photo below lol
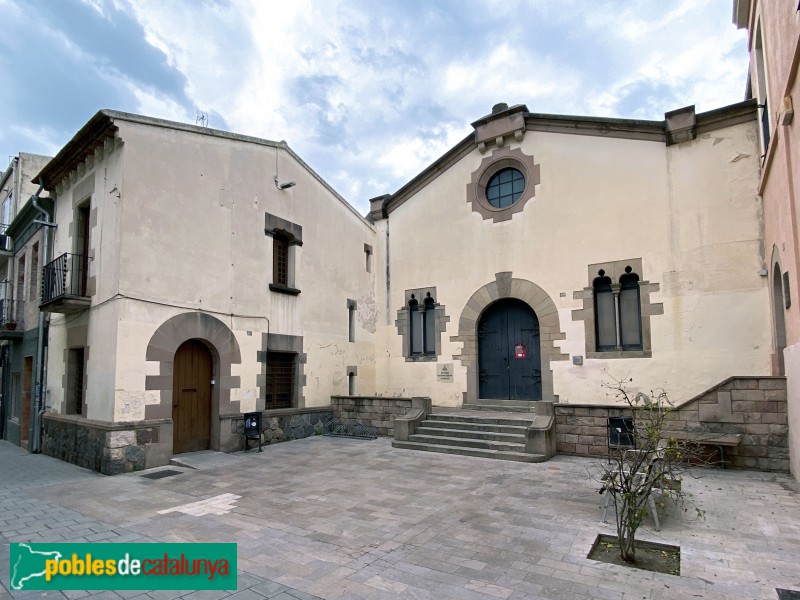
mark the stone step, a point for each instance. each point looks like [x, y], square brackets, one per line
[478, 452]
[521, 406]
[477, 434]
[468, 443]
[488, 419]
[467, 426]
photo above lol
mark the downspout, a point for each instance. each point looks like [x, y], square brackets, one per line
[37, 401]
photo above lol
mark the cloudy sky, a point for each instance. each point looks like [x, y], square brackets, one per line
[368, 92]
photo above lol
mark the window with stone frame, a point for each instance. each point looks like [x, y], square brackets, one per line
[280, 260]
[617, 314]
[420, 323]
[287, 237]
[616, 311]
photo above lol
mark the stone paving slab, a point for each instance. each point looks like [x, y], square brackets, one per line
[341, 518]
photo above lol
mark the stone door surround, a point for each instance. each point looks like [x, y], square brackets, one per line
[506, 286]
[225, 350]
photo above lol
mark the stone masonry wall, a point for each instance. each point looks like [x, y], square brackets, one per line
[378, 411]
[295, 424]
[111, 450]
[755, 407]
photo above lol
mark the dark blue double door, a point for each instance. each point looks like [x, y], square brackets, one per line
[509, 358]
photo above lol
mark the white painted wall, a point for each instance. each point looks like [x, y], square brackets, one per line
[184, 231]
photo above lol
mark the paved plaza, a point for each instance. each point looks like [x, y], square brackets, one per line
[343, 518]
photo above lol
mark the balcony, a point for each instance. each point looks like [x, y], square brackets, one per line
[64, 285]
[6, 247]
[12, 319]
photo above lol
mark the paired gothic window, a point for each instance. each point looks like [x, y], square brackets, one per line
[421, 322]
[422, 326]
[618, 314]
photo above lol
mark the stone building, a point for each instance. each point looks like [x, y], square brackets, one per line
[196, 275]
[22, 250]
[576, 248]
[774, 43]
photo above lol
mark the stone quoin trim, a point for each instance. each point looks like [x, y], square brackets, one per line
[224, 349]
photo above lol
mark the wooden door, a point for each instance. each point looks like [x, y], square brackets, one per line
[509, 359]
[191, 397]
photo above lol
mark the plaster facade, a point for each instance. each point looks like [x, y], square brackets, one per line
[179, 249]
[678, 205]
[22, 251]
[774, 43]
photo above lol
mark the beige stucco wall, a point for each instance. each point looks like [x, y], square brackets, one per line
[183, 231]
[689, 211]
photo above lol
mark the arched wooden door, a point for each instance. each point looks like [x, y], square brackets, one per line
[509, 358]
[191, 397]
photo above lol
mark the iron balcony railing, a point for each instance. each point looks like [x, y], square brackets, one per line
[65, 276]
[12, 314]
[5, 241]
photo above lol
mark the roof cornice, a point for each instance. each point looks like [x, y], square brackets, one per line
[668, 131]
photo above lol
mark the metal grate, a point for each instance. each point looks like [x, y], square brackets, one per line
[363, 431]
[280, 379]
[161, 474]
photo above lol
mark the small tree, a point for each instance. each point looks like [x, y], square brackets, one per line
[631, 476]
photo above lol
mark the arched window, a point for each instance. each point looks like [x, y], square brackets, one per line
[414, 326]
[604, 312]
[617, 312]
[630, 312]
[429, 327]
[422, 326]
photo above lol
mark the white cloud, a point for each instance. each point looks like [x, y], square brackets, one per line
[370, 94]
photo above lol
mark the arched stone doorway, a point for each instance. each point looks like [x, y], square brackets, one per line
[509, 358]
[506, 286]
[219, 341]
[191, 397]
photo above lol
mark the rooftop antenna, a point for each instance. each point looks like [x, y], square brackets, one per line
[202, 119]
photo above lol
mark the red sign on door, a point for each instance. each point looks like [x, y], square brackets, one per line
[520, 351]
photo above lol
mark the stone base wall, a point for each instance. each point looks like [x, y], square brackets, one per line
[378, 411]
[755, 407]
[276, 426]
[110, 448]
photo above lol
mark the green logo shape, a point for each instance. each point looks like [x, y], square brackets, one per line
[123, 566]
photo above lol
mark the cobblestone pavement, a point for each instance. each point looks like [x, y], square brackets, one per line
[341, 518]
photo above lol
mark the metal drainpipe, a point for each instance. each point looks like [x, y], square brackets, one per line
[37, 401]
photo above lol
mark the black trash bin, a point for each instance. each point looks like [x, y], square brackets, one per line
[252, 428]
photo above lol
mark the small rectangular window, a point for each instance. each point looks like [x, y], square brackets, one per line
[352, 305]
[280, 379]
[76, 369]
[368, 254]
[35, 277]
[20, 279]
[280, 261]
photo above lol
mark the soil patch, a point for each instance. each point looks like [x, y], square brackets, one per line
[650, 556]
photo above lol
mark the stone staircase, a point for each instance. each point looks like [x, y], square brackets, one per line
[487, 435]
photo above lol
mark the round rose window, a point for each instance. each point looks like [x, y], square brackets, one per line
[505, 187]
